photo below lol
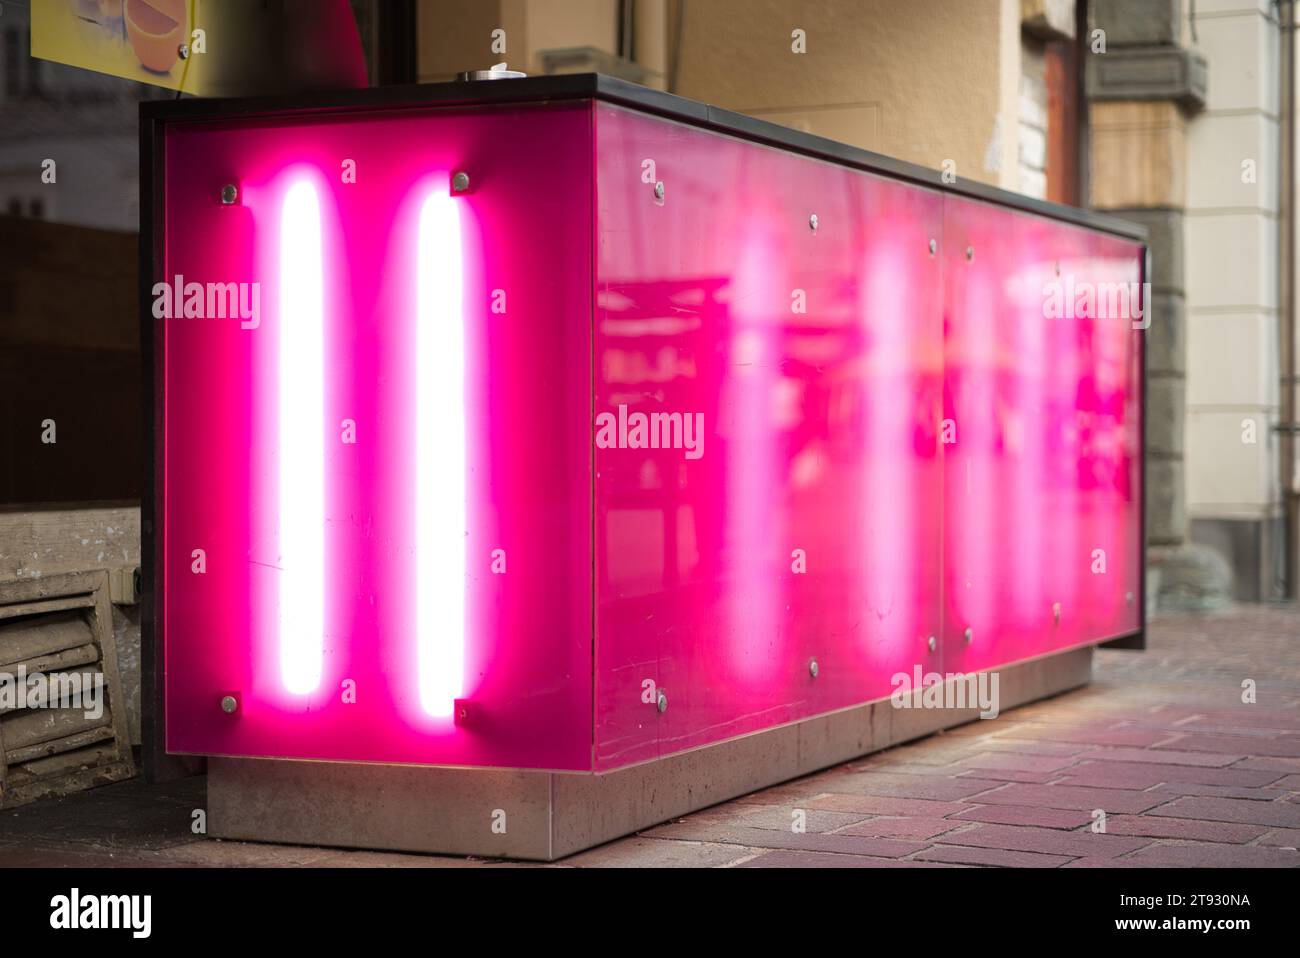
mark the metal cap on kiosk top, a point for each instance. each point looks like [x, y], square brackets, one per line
[497, 71]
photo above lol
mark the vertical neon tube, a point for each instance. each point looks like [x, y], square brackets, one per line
[440, 456]
[302, 444]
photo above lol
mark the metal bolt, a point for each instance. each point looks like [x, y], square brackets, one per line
[933, 246]
[1128, 597]
[968, 634]
[659, 190]
[183, 51]
[229, 193]
[813, 668]
[812, 222]
[932, 642]
[229, 704]
[1056, 612]
[661, 703]
[970, 252]
[460, 182]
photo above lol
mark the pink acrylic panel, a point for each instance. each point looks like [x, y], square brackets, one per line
[1042, 389]
[525, 230]
[897, 440]
[815, 360]
[826, 364]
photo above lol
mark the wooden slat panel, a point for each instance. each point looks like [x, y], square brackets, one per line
[59, 745]
[25, 727]
[27, 639]
[67, 659]
[48, 605]
[55, 751]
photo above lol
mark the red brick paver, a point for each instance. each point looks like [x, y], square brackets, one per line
[1160, 743]
[1157, 763]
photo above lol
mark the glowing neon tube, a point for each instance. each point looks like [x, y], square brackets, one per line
[302, 445]
[440, 456]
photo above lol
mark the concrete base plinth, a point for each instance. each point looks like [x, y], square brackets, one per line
[540, 815]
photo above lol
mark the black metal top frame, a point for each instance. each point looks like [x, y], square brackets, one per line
[598, 87]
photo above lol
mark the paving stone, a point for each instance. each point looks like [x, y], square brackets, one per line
[1161, 757]
[1222, 791]
[814, 820]
[909, 768]
[933, 788]
[128, 814]
[1286, 746]
[917, 829]
[997, 857]
[643, 852]
[790, 858]
[1273, 763]
[1024, 815]
[772, 838]
[1020, 747]
[1047, 841]
[254, 855]
[1282, 837]
[1143, 775]
[1018, 761]
[1013, 775]
[1073, 796]
[1208, 855]
[1154, 826]
[1103, 863]
[880, 805]
[1244, 717]
[1282, 814]
[800, 791]
[1125, 735]
[344, 858]
[78, 855]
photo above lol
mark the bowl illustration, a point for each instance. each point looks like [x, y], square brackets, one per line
[156, 29]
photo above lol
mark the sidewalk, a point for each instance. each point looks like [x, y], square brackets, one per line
[1186, 774]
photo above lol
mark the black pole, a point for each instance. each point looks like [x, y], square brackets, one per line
[396, 56]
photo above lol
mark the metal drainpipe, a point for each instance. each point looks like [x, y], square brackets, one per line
[1286, 295]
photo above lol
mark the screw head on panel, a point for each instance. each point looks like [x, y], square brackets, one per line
[183, 51]
[1056, 612]
[229, 704]
[1128, 597]
[229, 193]
[459, 181]
[932, 642]
[659, 190]
[812, 222]
[934, 245]
[968, 634]
[813, 668]
[970, 252]
[661, 703]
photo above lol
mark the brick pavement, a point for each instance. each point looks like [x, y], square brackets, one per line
[1186, 774]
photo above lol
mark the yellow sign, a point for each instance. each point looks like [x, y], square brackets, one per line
[195, 46]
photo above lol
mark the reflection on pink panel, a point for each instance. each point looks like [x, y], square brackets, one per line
[1042, 383]
[526, 460]
[884, 427]
[815, 360]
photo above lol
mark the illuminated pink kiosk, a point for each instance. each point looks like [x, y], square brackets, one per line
[537, 460]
